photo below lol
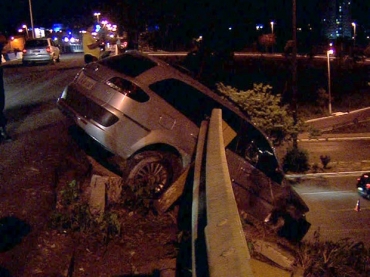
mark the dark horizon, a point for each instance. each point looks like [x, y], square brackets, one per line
[13, 14]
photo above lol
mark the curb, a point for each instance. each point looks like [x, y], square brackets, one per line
[328, 174]
[335, 138]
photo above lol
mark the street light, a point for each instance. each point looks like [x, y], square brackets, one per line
[354, 33]
[31, 17]
[328, 53]
[272, 35]
[97, 16]
[26, 28]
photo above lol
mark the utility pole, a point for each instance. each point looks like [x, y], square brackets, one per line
[294, 74]
[31, 17]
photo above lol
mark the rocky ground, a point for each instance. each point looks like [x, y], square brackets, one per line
[35, 167]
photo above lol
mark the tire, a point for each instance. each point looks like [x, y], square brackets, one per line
[152, 171]
[58, 59]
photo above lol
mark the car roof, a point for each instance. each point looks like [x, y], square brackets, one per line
[164, 70]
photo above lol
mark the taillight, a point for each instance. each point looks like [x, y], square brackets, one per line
[358, 179]
[367, 186]
[24, 50]
[48, 49]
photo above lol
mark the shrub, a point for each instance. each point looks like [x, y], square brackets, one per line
[344, 258]
[265, 110]
[296, 160]
[315, 167]
[138, 197]
[74, 214]
[314, 133]
[325, 160]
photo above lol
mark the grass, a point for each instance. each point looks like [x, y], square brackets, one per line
[361, 127]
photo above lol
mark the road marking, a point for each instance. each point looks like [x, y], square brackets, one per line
[346, 210]
[327, 192]
[328, 174]
[322, 230]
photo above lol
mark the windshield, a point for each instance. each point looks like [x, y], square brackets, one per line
[129, 64]
[36, 43]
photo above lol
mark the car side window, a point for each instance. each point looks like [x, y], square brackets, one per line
[192, 103]
[128, 88]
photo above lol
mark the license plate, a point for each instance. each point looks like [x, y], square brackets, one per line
[86, 82]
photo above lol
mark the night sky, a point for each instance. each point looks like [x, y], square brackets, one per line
[14, 13]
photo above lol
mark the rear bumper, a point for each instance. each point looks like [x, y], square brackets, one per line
[37, 58]
[93, 130]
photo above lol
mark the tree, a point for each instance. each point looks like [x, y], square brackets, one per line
[267, 41]
[265, 110]
[367, 51]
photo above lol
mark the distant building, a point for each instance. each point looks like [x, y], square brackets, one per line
[336, 21]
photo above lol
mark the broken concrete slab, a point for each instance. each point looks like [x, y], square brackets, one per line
[172, 194]
[274, 253]
[104, 190]
[97, 197]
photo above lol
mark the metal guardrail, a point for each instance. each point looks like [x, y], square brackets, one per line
[226, 247]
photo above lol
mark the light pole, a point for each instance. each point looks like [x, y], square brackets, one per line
[31, 17]
[328, 53]
[294, 73]
[97, 16]
[272, 35]
[272, 27]
[354, 33]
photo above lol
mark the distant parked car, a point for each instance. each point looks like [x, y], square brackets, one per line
[363, 185]
[40, 50]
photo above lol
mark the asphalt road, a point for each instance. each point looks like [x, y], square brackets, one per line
[332, 202]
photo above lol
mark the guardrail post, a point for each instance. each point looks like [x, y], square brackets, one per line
[198, 204]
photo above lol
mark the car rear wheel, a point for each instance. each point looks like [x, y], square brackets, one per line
[152, 171]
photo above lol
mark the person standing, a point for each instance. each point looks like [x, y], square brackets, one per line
[91, 46]
[3, 121]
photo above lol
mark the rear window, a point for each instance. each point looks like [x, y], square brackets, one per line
[36, 43]
[128, 64]
[127, 88]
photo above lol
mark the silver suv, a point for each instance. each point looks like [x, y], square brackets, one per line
[149, 113]
[40, 50]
